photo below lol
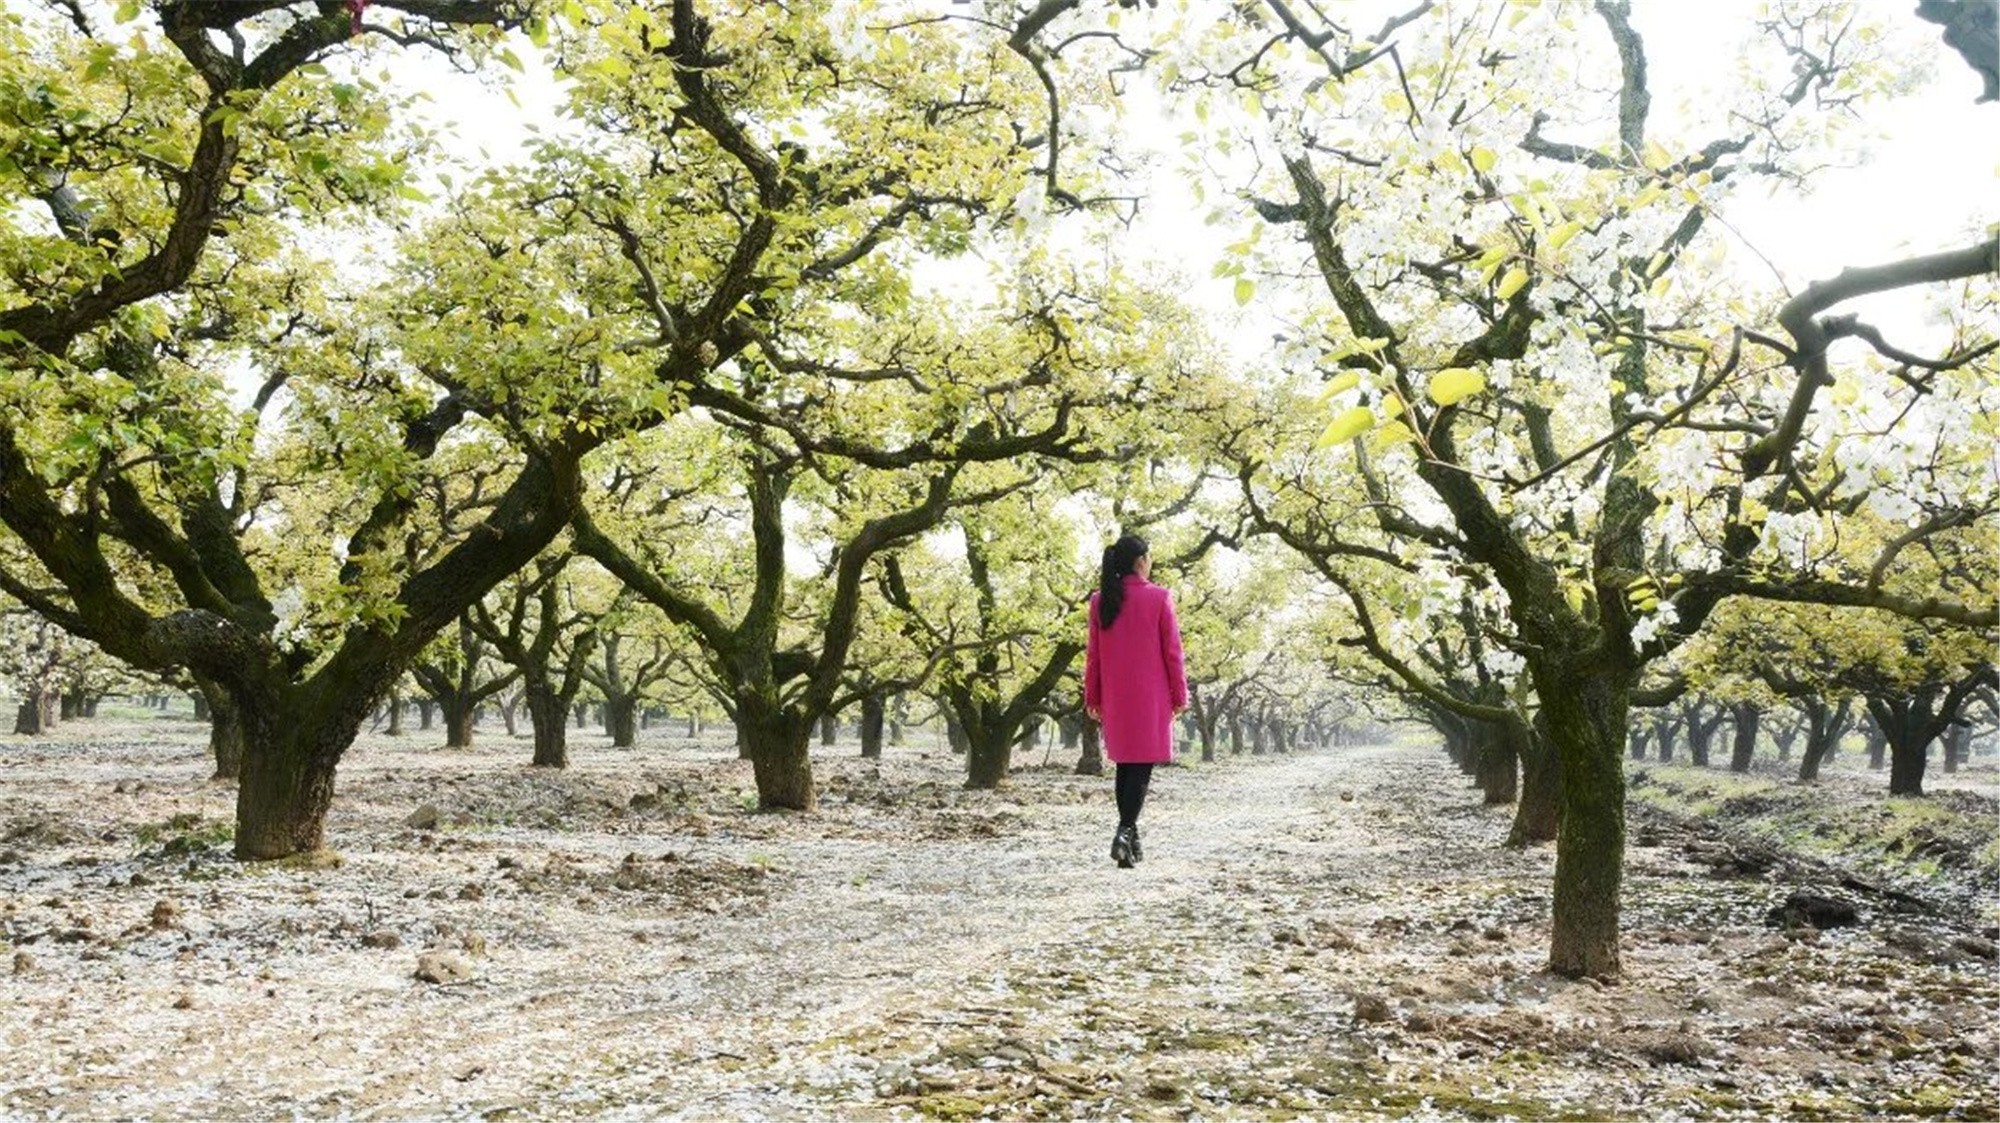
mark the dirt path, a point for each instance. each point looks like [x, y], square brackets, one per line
[1330, 932]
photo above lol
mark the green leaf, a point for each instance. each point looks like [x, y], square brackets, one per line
[1347, 426]
[1454, 384]
[1483, 159]
[1511, 283]
[1391, 434]
[1245, 289]
[1339, 383]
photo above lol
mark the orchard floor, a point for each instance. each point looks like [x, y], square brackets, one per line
[1330, 934]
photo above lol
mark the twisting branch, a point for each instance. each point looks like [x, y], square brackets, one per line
[1811, 335]
[1822, 592]
[1022, 43]
[1936, 524]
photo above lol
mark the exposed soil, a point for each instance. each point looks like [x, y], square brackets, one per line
[1335, 933]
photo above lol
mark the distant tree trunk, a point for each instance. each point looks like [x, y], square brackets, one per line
[510, 711]
[458, 717]
[1744, 748]
[1206, 728]
[829, 730]
[1636, 741]
[425, 708]
[621, 716]
[874, 715]
[1701, 736]
[37, 713]
[989, 753]
[1071, 729]
[1538, 812]
[396, 714]
[1786, 736]
[1957, 746]
[1878, 747]
[1663, 738]
[954, 734]
[582, 710]
[899, 717]
[200, 707]
[1907, 761]
[1235, 735]
[1907, 724]
[774, 737]
[1824, 726]
[546, 716]
[1498, 762]
[1091, 761]
[225, 731]
[693, 726]
[70, 706]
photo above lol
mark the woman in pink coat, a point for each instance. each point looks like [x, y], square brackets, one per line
[1133, 683]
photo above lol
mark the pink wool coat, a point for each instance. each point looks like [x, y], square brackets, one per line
[1132, 674]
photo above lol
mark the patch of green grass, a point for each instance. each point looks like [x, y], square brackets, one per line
[951, 1106]
[186, 833]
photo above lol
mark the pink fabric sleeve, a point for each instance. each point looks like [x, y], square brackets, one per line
[1170, 649]
[1093, 664]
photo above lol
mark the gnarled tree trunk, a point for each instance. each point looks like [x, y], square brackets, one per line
[1090, 762]
[621, 720]
[548, 715]
[1584, 710]
[774, 739]
[1743, 749]
[1498, 762]
[1538, 813]
[225, 730]
[874, 716]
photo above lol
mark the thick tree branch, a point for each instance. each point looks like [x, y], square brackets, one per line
[1810, 334]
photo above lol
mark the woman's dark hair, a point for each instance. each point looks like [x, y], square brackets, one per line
[1119, 558]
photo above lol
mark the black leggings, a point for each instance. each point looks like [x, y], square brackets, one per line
[1131, 787]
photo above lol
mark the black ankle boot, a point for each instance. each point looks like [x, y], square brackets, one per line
[1121, 848]
[1138, 852]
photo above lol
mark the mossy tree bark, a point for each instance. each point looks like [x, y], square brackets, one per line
[1499, 763]
[874, 717]
[1825, 724]
[225, 730]
[775, 736]
[1090, 762]
[1743, 745]
[1538, 813]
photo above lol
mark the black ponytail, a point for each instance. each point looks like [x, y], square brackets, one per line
[1119, 558]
